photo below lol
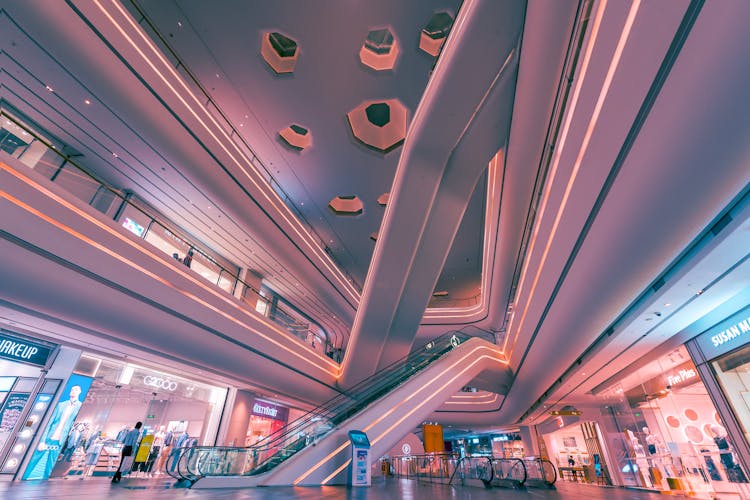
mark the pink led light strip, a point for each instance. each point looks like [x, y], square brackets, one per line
[332, 368]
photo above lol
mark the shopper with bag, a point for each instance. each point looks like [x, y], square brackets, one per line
[130, 443]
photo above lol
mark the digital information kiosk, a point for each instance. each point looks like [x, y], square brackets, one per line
[360, 468]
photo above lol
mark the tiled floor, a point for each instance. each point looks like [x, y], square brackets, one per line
[95, 488]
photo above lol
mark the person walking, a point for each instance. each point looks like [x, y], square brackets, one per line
[129, 445]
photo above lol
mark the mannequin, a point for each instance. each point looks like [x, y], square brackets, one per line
[178, 442]
[160, 440]
[635, 444]
[653, 442]
[725, 455]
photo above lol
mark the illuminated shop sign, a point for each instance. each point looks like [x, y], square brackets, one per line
[681, 375]
[660, 386]
[269, 410]
[728, 335]
[25, 351]
[160, 383]
[731, 333]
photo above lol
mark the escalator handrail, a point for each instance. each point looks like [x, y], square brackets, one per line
[463, 459]
[358, 397]
[541, 462]
[517, 460]
[355, 391]
[324, 411]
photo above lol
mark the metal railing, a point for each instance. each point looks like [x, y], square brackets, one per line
[487, 471]
[449, 468]
[540, 472]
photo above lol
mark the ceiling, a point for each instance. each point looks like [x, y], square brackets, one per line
[219, 43]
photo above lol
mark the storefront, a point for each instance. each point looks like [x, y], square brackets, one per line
[722, 358]
[664, 432]
[508, 445]
[566, 447]
[32, 372]
[574, 445]
[265, 419]
[114, 395]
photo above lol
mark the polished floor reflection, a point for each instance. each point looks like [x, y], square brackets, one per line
[94, 488]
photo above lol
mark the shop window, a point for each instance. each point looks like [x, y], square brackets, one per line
[174, 410]
[664, 431]
[166, 241]
[733, 373]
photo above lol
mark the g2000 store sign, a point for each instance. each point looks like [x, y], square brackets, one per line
[160, 383]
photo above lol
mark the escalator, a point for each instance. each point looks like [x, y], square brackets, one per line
[313, 449]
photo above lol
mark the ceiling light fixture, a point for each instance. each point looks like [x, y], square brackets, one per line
[87, 101]
[49, 89]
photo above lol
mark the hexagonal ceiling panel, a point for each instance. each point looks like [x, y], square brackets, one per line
[279, 51]
[296, 136]
[346, 205]
[380, 125]
[213, 41]
[435, 32]
[380, 50]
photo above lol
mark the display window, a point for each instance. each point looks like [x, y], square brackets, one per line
[25, 396]
[508, 446]
[665, 434]
[567, 448]
[266, 417]
[733, 374]
[175, 412]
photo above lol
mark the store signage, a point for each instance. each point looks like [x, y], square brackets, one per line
[568, 413]
[23, 350]
[681, 375]
[660, 386]
[731, 333]
[269, 410]
[726, 336]
[160, 383]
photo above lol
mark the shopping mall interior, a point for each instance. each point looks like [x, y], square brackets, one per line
[456, 245]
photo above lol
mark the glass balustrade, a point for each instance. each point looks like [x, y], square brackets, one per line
[39, 153]
[316, 424]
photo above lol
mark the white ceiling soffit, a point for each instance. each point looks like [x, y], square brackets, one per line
[709, 282]
[633, 189]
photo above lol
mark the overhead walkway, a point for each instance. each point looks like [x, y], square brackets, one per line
[314, 450]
